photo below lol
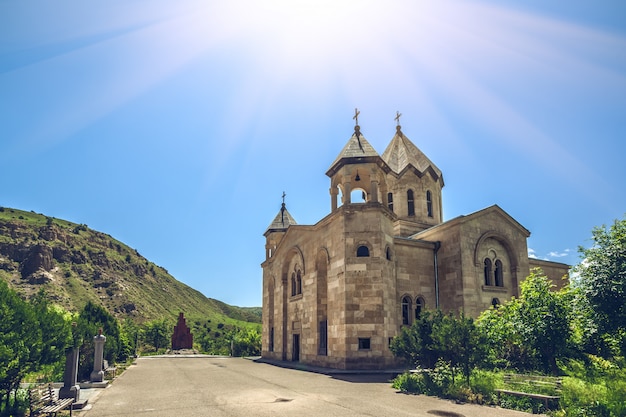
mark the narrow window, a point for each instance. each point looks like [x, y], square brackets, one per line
[293, 284]
[406, 307]
[487, 271]
[419, 306]
[388, 253]
[410, 202]
[362, 251]
[498, 274]
[364, 343]
[271, 347]
[390, 201]
[429, 203]
[299, 283]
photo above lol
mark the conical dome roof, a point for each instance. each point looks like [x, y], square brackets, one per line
[355, 150]
[282, 221]
[402, 153]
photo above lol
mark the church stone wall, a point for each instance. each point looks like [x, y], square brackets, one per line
[557, 272]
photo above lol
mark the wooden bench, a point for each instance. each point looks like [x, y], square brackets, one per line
[532, 383]
[43, 400]
[109, 370]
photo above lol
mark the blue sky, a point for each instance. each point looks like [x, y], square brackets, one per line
[176, 126]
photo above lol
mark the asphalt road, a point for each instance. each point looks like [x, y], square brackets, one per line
[233, 387]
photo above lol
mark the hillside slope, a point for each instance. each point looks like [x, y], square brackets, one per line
[75, 264]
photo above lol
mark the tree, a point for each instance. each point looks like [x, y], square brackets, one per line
[157, 333]
[20, 341]
[415, 344]
[55, 329]
[533, 331]
[602, 276]
[246, 342]
[459, 343]
[92, 318]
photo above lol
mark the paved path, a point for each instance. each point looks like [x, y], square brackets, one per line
[233, 387]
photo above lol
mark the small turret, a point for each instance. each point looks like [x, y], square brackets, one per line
[277, 229]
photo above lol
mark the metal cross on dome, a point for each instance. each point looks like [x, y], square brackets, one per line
[356, 116]
[397, 118]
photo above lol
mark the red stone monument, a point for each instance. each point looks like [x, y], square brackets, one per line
[182, 337]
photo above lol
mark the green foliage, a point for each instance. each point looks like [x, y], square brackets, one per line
[435, 336]
[32, 336]
[91, 319]
[415, 344]
[459, 342]
[156, 333]
[532, 332]
[440, 382]
[247, 342]
[20, 340]
[409, 383]
[602, 282]
[594, 387]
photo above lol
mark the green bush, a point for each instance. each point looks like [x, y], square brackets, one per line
[409, 383]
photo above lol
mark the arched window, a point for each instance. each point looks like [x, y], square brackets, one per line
[390, 201]
[495, 303]
[498, 274]
[410, 202]
[362, 251]
[358, 196]
[298, 283]
[293, 284]
[406, 307]
[419, 307]
[388, 253]
[487, 271]
[429, 203]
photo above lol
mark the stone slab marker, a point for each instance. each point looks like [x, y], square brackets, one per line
[70, 388]
[97, 375]
[182, 337]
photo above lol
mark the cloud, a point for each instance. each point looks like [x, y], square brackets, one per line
[531, 253]
[562, 254]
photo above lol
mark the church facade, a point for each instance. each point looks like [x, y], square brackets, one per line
[335, 293]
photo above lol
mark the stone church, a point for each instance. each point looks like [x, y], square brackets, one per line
[336, 292]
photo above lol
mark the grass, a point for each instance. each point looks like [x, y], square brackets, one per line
[586, 391]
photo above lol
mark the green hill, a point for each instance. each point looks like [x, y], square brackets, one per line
[76, 264]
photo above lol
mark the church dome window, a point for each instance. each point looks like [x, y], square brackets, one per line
[410, 202]
[362, 251]
[390, 201]
[429, 203]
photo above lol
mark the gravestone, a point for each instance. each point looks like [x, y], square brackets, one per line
[97, 375]
[70, 388]
[182, 337]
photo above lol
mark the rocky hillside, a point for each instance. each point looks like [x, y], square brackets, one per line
[76, 264]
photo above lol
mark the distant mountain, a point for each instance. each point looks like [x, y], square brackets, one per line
[75, 264]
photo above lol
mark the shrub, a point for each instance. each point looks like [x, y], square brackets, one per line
[409, 383]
